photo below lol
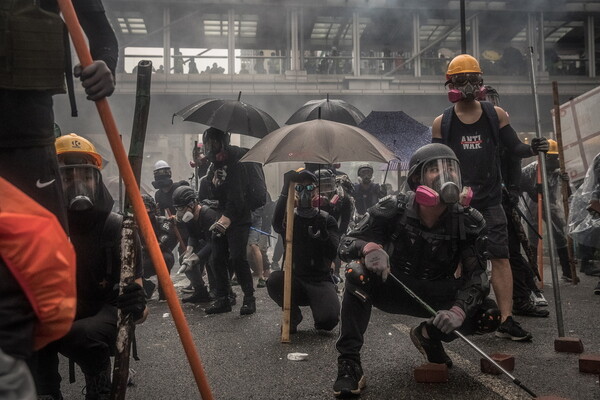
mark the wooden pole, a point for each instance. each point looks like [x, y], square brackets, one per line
[287, 266]
[142, 218]
[564, 185]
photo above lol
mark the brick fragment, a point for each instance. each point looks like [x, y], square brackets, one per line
[568, 345]
[551, 398]
[589, 363]
[431, 373]
[506, 361]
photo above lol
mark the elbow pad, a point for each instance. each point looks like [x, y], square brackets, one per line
[471, 296]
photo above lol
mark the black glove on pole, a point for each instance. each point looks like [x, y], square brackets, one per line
[132, 301]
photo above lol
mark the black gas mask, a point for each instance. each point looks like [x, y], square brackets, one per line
[552, 162]
[81, 185]
[365, 175]
[215, 142]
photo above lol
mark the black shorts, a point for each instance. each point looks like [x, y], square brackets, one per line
[496, 231]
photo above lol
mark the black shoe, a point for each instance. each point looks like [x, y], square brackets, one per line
[188, 289]
[220, 306]
[149, 287]
[529, 309]
[248, 306]
[350, 380]
[432, 349]
[597, 289]
[593, 270]
[97, 387]
[50, 396]
[200, 296]
[511, 329]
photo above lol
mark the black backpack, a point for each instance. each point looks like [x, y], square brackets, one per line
[256, 188]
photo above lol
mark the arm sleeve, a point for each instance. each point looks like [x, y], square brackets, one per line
[102, 39]
[345, 215]
[511, 141]
[235, 204]
[437, 140]
[333, 240]
[529, 181]
[476, 284]
[278, 215]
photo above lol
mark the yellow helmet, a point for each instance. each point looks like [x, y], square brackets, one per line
[73, 143]
[463, 63]
[553, 147]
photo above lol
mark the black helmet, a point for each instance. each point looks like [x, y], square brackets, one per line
[326, 180]
[149, 202]
[218, 135]
[423, 155]
[183, 195]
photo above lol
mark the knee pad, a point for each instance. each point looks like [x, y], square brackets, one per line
[487, 319]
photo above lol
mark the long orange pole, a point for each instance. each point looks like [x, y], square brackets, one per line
[135, 197]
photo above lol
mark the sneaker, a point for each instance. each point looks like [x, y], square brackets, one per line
[529, 309]
[149, 287]
[220, 306]
[511, 329]
[538, 299]
[248, 306]
[261, 283]
[234, 282]
[200, 296]
[350, 380]
[50, 397]
[188, 289]
[432, 349]
[597, 289]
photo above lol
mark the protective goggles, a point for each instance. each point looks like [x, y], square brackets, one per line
[308, 187]
[463, 79]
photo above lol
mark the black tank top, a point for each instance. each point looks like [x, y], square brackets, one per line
[477, 152]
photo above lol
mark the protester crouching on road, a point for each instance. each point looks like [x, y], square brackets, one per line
[314, 247]
[421, 237]
[474, 130]
[96, 235]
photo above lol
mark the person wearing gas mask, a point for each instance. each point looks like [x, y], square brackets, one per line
[366, 192]
[474, 130]
[531, 189]
[198, 219]
[164, 229]
[314, 247]
[96, 236]
[421, 236]
[226, 181]
[165, 186]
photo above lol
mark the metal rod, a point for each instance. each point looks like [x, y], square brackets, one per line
[460, 335]
[547, 210]
[463, 28]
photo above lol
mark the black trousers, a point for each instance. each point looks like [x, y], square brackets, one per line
[149, 270]
[89, 344]
[320, 296]
[231, 248]
[389, 296]
[523, 275]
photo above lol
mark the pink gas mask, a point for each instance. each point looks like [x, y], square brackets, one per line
[441, 184]
[466, 87]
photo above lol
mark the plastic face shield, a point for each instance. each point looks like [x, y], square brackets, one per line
[81, 185]
[443, 176]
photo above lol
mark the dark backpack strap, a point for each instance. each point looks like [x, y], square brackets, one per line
[446, 123]
[492, 116]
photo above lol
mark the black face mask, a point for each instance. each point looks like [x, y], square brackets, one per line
[552, 163]
[162, 183]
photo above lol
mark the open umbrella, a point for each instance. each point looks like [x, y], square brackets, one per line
[398, 131]
[319, 141]
[233, 116]
[332, 110]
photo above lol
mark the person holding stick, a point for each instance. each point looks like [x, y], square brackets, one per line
[421, 236]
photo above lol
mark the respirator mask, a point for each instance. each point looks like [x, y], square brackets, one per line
[466, 87]
[304, 200]
[440, 183]
[365, 176]
[183, 213]
[81, 183]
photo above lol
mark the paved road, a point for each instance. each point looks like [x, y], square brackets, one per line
[244, 359]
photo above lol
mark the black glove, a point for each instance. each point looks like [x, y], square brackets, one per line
[217, 229]
[564, 176]
[539, 144]
[132, 301]
[288, 177]
[97, 79]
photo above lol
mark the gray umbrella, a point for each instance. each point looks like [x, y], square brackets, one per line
[319, 141]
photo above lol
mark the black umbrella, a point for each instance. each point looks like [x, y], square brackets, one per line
[233, 116]
[332, 110]
[319, 141]
[398, 131]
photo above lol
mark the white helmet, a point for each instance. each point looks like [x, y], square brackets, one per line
[161, 164]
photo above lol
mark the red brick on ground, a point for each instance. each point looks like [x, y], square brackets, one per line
[589, 363]
[568, 345]
[506, 361]
[431, 373]
[551, 398]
